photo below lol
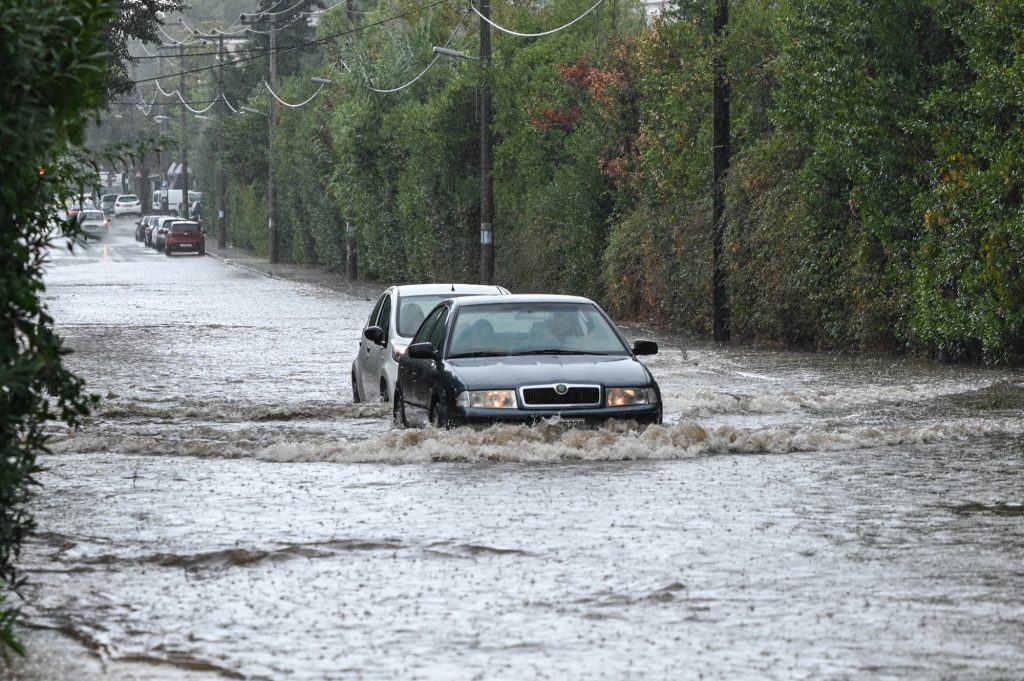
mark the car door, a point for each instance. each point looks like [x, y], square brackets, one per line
[423, 372]
[366, 349]
[376, 352]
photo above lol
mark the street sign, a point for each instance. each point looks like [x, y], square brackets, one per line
[163, 184]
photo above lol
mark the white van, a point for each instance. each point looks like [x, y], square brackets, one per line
[174, 206]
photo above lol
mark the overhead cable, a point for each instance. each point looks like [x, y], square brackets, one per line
[233, 109]
[175, 40]
[424, 71]
[292, 106]
[319, 41]
[536, 35]
[217, 33]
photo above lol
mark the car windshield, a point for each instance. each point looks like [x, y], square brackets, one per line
[533, 329]
[412, 310]
[92, 215]
[184, 228]
[128, 199]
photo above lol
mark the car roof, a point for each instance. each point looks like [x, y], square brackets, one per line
[438, 289]
[524, 298]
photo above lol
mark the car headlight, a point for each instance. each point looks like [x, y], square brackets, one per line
[487, 399]
[625, 397]
[398, 350]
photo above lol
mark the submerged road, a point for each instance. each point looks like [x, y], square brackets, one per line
[229, 513]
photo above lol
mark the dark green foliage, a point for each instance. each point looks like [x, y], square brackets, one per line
[874, 199]
[132, 20]
[54, 56]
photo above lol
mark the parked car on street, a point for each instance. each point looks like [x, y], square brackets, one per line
[140, 228]
[520, 359]
[151, 223]
[93, 224]
[391, 325]
[127, 204]
[159, 234]
[185, 236]
[107, 202]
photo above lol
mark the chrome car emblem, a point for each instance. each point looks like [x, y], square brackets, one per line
[561, 389]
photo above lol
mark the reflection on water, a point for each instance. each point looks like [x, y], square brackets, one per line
[229, 511]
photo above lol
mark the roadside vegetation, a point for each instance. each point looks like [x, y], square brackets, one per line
[58, 72]
[873, 199]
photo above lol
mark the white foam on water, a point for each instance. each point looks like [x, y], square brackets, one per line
[543, 443]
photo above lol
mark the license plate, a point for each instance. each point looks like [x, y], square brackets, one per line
[571, 423]
[186, 245]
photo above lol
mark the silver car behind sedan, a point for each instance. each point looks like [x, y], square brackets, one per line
[395, 318]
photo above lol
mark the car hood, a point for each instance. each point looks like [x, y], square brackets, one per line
[512, 372]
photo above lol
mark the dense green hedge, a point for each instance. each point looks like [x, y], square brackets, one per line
[873, 202]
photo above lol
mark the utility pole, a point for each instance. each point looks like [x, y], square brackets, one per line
[273, 242]
[160, 148]
[271, 201]
[486, 152]
[719, 296]
[222, 238]
[184, 133]
[351, 254]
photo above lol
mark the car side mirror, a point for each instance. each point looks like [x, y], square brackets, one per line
[374, 334]
[644, 347]
[423, 350]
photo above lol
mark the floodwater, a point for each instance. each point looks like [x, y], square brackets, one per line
[229, 513]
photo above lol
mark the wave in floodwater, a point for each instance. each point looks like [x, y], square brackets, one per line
[542, 443]
[707, 402]
[234, 412]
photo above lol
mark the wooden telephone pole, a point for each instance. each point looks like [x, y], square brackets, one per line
[719, 296]
[273, 238]
[486, 151]
[184, 213]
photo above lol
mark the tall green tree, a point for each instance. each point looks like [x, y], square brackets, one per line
[55, 57]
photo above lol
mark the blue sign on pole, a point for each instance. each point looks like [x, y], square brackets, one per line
[163, 184]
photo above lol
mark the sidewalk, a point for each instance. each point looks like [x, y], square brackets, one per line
[306, 274]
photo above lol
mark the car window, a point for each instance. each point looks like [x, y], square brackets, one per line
[92, 215]
[372, 321]
[184, 227]
[128, 198]
[437, 331]
[534, 328]
[424, 331]
[412, 310]
[384, 320]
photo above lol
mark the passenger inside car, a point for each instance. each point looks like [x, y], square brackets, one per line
[413, 317]
[560, 330]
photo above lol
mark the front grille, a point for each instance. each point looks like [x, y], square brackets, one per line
[575, 395]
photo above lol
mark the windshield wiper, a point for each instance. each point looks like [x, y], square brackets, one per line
[554, 351]
[481, 353]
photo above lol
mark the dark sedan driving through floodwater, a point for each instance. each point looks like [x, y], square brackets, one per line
[523, 358]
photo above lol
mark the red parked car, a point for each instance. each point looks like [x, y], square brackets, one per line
[185, 236]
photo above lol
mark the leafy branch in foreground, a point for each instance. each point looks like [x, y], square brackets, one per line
[52, 85]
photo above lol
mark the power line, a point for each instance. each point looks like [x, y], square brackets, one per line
[424, 71]
[292, 106]
[535, 35]
[319, 41]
